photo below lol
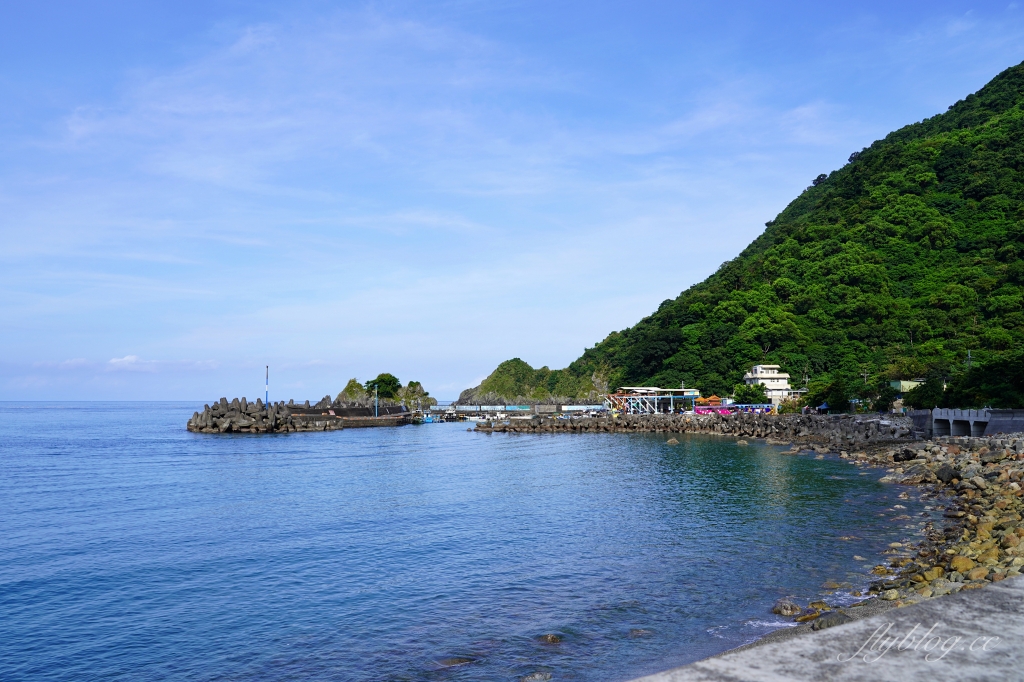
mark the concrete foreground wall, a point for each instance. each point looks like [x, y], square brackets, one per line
[971, 635]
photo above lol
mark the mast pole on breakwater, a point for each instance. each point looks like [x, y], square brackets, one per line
[375, 401]
[266, 397]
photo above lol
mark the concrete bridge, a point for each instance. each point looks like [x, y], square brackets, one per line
[953, 422]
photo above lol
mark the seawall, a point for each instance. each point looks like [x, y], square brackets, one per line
[839, 431]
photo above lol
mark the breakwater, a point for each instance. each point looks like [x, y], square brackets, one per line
[840, 431]
[241, 416]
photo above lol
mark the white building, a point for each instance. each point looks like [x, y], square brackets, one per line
[776, 383]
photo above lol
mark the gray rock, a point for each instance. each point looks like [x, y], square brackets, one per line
[993, 456]
[830, 620]
[946, 473]
[786, 607]
[905, 455]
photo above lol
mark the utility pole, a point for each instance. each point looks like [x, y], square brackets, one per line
[968, 359]
[865, 375]
[375, 408]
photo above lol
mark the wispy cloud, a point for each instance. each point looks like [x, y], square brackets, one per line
[376, 190]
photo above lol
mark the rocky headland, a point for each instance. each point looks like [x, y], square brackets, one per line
[514, 382]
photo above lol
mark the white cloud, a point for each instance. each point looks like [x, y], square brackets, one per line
[133, 363]
[130, 362]
[378, 194]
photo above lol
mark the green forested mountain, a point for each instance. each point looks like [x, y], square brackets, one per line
[516, 381]
[894, 266]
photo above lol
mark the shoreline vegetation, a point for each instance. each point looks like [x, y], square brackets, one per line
[977, 479]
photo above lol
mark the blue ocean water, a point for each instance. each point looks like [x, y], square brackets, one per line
[132, 549]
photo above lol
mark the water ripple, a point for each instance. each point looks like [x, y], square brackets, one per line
[134, 550]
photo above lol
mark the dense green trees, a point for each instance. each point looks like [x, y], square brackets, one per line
[750, 394]
[895, 265]
[388, 388]
[386, 385]
[996, 383]
[516, 380]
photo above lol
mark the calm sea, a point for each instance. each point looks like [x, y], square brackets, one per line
[131, 549]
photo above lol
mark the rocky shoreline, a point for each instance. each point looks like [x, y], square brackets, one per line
[979, 543]
[978, 478]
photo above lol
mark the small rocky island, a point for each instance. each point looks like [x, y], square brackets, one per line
[382, 401]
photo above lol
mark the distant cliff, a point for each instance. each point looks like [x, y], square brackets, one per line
[515, 382]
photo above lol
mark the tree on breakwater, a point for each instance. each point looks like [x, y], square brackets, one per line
[389, 389]
[385, 385]
[896, 265]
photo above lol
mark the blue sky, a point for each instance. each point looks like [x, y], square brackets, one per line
[192, 190]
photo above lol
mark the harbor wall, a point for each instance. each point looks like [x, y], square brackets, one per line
[839, 431]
